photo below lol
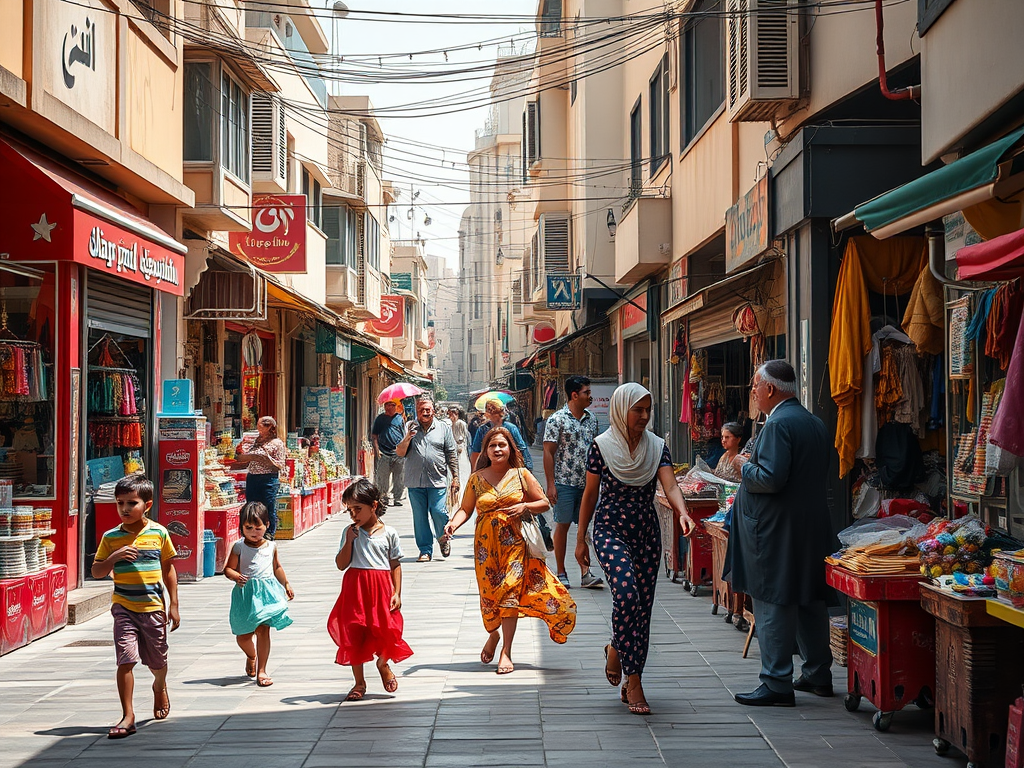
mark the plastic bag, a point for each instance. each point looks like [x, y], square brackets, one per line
[889, 530]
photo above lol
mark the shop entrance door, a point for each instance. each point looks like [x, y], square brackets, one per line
[118, 388]
[266, 400]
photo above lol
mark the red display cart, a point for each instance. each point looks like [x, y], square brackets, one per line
[32, 606]
[223, 521]
[700, 550]
[891, 646]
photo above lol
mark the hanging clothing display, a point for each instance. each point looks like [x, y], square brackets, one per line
[1001, 330]
[1008, 423]
[113, 393]
[890, 267]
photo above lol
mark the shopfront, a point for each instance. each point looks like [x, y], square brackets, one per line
[82, 281]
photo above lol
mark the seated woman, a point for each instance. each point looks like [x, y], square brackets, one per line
[732, 440]
[512, 583]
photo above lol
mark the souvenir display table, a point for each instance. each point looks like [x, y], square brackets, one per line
[979, 676]
[891, 647]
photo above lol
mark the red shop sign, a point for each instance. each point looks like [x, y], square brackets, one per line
[392, 318]
[277, 242]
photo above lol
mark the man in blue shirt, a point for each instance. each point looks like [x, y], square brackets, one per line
[387, 432]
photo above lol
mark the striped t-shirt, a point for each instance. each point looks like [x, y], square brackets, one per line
[137, 583]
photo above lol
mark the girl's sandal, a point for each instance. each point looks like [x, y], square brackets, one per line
[640, 708]
[264, 681]
[250, 666]
[388, 678]
[487, 654]
[357, 693]
[613, 677]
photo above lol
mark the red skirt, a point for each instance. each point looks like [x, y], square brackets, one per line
[361, 624]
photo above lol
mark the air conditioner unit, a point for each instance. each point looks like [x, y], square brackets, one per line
[763, 57]
[269, 141]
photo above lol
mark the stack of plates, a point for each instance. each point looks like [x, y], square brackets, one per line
[6, 517]
[12, 560]
[34, 559]
[21, 521]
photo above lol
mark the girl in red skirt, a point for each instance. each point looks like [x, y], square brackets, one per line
[366, 620]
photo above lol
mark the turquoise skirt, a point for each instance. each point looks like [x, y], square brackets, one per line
[260, 601]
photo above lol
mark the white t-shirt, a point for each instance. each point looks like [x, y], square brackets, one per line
[374, 552]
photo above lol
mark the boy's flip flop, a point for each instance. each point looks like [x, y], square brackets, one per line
[120, 732]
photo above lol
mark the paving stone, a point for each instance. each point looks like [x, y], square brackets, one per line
[557, 709]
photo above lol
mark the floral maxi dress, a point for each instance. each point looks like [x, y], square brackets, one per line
[511, 582]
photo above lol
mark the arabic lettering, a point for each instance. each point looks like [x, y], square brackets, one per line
[279, 216]
[81, 53]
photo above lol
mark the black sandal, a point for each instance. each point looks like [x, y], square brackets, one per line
[613, 677]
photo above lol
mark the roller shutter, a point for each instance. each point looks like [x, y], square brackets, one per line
[713, 326]
[118, 306]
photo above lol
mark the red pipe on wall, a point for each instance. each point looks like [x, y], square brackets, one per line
[900, 94]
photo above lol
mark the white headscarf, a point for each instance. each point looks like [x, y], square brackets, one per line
[640, 466]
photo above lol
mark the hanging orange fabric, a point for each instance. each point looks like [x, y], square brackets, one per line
[885, 266]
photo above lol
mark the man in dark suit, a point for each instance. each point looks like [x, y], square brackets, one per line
[780, 535]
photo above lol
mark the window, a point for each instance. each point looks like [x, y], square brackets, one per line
[314, 198]
[531, 137]
[372, 229]
[341, 225]
[199, 110]
[551, 18]
[636, 151]
[234, 127]
[702, 71]
[658, 105]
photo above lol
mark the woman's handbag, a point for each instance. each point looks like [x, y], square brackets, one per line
[530, 530]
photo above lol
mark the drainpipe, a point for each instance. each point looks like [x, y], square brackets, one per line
[936, 237]
[900, 94]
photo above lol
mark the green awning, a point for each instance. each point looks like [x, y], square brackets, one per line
[361, 353]
[962, 183]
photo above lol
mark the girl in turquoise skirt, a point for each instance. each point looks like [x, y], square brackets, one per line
[260, 598]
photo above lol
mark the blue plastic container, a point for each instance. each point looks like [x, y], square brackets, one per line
[209, 554]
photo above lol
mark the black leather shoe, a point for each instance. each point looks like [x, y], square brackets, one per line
[808, 687]
[766, 697]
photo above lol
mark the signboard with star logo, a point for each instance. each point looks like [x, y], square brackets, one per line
[50, 214]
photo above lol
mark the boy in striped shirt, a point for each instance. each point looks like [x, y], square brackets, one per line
[140, 555]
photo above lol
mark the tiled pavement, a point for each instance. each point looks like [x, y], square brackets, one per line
[57, 696]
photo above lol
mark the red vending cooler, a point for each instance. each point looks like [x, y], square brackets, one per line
[182, 440]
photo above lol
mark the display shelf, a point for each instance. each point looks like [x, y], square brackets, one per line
[10, 539]
[1005, 611]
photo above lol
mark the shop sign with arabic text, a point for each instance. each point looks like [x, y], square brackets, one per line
[277, 242]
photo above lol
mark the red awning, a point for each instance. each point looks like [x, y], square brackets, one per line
[1001, 258]
[53, 214]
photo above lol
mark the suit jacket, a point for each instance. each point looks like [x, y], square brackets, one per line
[781, 531]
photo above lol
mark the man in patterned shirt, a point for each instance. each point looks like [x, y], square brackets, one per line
[567, 438]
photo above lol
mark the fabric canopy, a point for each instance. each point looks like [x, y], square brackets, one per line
[953, 187]
[999, 259]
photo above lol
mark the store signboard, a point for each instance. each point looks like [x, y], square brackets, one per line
[602, 394]
[76, 58]
[342, 347]
[746, 227]
[392, 318]
[401, 281]
[633, 316]
[277, 242]
[563, 292]
[864, 626]
[676, 283]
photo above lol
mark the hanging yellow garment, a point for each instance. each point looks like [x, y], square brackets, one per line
[885, 266]
[923, 320]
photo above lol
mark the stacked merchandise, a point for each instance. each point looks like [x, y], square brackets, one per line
[886, 547]
[838, 637]
[220, 486]
[22, 548]
[955, 546]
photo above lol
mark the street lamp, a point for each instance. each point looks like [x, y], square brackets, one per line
[338, 12]
[612, 226]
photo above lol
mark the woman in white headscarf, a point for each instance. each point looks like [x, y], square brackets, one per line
[623, 467]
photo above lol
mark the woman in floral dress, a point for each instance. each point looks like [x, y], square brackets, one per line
[512, 583]
[624, 465]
